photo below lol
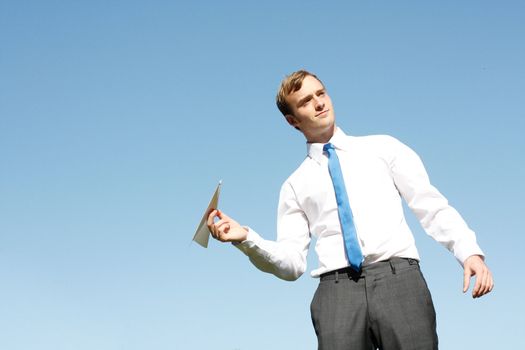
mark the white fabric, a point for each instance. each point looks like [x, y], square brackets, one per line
[378, 171]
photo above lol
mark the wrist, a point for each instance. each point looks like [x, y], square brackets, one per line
[244, 236]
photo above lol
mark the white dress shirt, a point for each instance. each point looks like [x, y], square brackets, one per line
[378, 171]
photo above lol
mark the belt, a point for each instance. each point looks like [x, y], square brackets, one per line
[386, 266]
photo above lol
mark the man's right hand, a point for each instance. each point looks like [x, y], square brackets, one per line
[226, 229]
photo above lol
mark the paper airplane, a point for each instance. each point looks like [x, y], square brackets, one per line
[202, 235]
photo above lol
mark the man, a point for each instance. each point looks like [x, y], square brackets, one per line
[347, 193]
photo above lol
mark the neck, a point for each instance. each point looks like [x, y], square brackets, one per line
[322, 137]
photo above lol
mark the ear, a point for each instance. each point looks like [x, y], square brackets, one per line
[292, 121]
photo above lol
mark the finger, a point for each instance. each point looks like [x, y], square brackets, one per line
[220, 222]
[477, 285]
[484, 277]
[222, 226]
[221, 215]
[211, 224]
[211, 217]
[489, 283]
[223, 233]
[486, 282]
[466, 280]
[481, 287]
[214, 232]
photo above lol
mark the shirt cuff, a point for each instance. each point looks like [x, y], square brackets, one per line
[465, 253]
[249, 243]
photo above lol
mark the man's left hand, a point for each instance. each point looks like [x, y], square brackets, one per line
[475, 266]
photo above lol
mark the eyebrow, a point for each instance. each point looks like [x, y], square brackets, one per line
[308, 97]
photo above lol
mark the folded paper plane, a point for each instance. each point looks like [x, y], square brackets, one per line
[202, 235]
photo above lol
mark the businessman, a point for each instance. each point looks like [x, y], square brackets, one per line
[348, 193]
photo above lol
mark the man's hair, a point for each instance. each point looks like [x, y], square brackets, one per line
[289, 85]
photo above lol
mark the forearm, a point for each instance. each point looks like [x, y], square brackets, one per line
[285, 259]
[439, 219]
[444, 224]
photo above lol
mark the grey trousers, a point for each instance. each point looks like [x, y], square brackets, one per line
[387, 306]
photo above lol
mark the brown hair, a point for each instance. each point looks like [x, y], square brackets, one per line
[289, 85]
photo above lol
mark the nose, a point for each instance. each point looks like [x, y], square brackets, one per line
[319, 103]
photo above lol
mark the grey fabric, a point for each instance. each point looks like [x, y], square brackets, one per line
[387, 306]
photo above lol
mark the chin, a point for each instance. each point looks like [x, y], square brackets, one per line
[329, 121]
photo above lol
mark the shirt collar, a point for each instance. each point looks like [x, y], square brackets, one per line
[339, 140]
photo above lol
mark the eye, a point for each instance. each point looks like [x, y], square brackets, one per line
[305, 102]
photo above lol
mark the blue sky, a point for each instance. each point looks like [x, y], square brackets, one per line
[118, 118]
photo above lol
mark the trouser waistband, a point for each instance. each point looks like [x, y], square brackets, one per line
[386, 266]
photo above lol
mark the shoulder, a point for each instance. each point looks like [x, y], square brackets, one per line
[300, 176]
[385, 147]
[303, 169]
[380, 145]
[377, 141]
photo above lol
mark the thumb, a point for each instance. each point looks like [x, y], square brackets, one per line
[466, 279]
[221, 215]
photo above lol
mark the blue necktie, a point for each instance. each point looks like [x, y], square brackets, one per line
[353, 251]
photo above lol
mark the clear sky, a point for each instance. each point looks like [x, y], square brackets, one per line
[118, 118]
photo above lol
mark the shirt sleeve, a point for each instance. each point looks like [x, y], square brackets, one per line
[440, 220]
[285, 257]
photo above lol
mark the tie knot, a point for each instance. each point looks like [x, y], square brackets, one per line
[327, 147]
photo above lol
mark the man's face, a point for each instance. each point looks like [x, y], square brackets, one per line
[312, 111]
